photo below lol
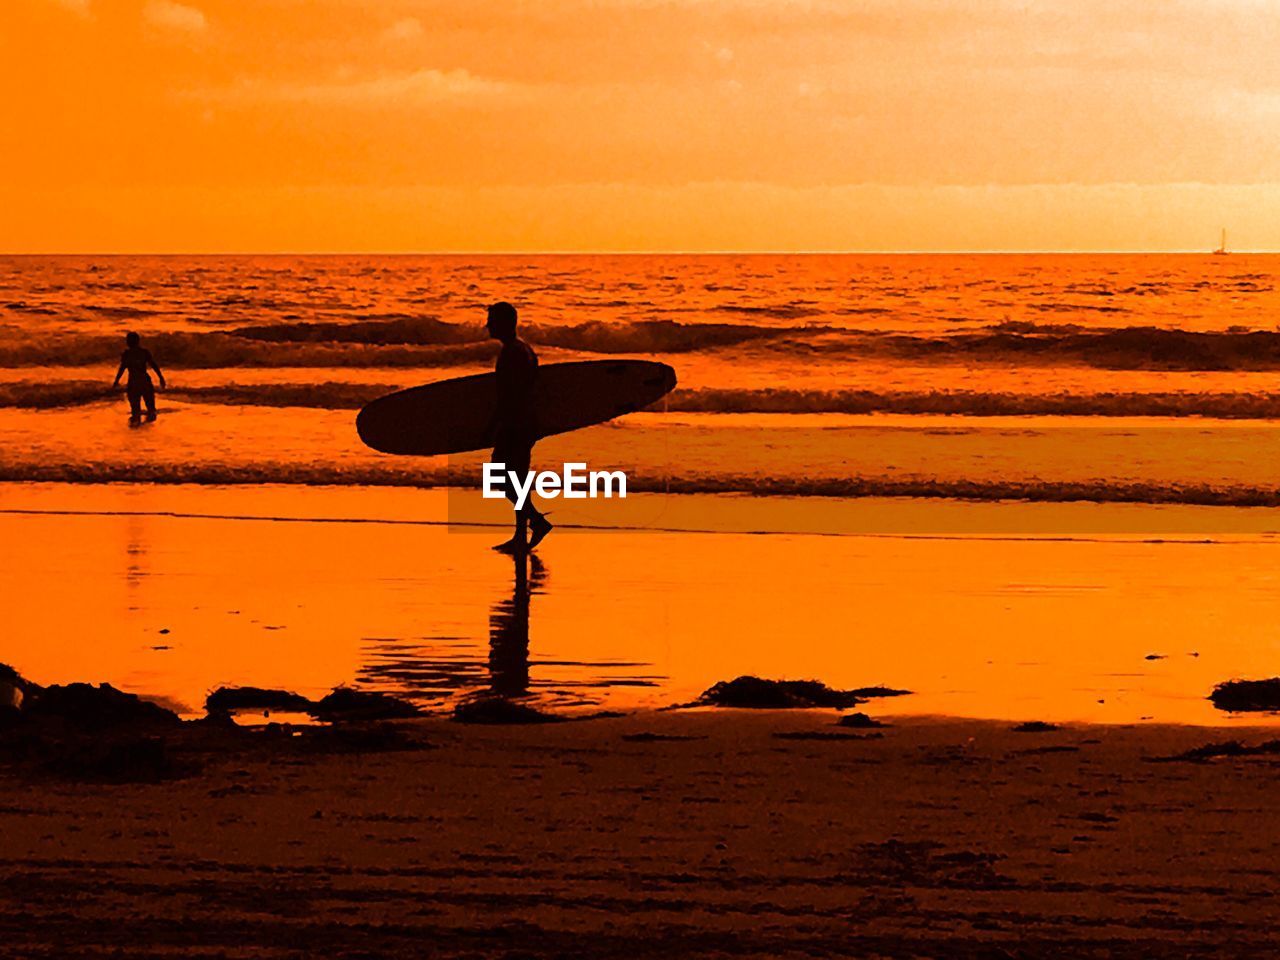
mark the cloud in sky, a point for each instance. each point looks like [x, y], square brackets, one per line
[408, 89]
[75, 6]
[405, 30]
[174, 16]
[659, 97]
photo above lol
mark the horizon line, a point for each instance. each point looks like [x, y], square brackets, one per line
[623, 253]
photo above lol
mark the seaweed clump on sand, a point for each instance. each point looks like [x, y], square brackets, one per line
[87, 706]
[82, 731]
[1229, 748]
[1243, 695]
[77, 707]
[347, 704]
[13, 692]
[760, 694]
[342, 704]
[226, 699]
[13, 678]
[493, 709]
[1036, 726]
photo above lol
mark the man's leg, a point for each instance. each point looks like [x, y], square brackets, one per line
[509, 457]
[149, 395]
[539, 526]
[135, 403]
[531, 525]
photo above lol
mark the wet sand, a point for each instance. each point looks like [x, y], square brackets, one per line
[1021, 611]
[658, 834]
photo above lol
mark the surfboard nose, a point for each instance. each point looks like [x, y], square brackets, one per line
[664, 379]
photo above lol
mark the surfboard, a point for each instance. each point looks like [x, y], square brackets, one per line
[452, 416]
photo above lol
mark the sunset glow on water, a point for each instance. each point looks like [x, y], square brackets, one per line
[1089, 408]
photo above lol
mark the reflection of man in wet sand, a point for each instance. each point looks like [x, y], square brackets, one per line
[509, 630]
[514, 427]
[139, 388]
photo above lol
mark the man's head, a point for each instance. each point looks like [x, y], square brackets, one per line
[132, 339]
[502, 321]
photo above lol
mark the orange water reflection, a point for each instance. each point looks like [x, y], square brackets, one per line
[1014, 627]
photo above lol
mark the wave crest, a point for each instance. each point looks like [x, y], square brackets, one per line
[1119, 348]
[1025, 490]
[403, 341]
[1226, 406]
[342, 395]
[207, 351]
[645, 336]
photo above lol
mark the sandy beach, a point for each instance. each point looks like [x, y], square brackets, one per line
[1131, 819]
[711, 833]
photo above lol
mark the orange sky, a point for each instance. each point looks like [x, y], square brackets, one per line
[261, 125]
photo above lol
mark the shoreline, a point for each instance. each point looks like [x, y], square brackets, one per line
[820, 457]
[312, 589]
[728, 512]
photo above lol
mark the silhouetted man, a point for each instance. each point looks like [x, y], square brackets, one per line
[515, 428]
[138, 387]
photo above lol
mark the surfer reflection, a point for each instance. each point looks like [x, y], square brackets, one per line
[509, 629]
[514, 426]
[139, 388]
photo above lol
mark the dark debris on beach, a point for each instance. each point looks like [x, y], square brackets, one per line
[1229, 748]
[97, 733]
[1036, 726]
[1247, 695]
[760, 694]
[225, 699]
[342, 704]
[498, 710]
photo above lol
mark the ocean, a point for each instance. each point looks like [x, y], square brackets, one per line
[1054, 377]
[1037, 487]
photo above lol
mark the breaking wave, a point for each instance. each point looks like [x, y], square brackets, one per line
[341, 395]
[332, 394]
[1121, 348]
[1124, 348]
[1226, 406]
[647, 336]
[403, 341]
[396, 329]
[42, 395]
[1024, 490]
[208, 351]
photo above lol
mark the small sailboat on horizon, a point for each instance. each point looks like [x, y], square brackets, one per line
[1222, 245]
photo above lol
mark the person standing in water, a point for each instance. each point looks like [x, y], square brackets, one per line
[139, 387]
[514, 426]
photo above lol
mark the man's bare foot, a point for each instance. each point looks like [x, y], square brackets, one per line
[539, 527]
[512, 546]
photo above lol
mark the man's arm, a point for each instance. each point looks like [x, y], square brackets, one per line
[119, 374]
[503, 391]
[156, 367]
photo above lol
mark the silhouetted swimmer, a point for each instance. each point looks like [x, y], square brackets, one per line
[509, 629]
[138, 387]
[514, 427]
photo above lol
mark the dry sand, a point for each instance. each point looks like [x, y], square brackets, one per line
[656, 834]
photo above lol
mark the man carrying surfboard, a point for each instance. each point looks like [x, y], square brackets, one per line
[514, 428]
